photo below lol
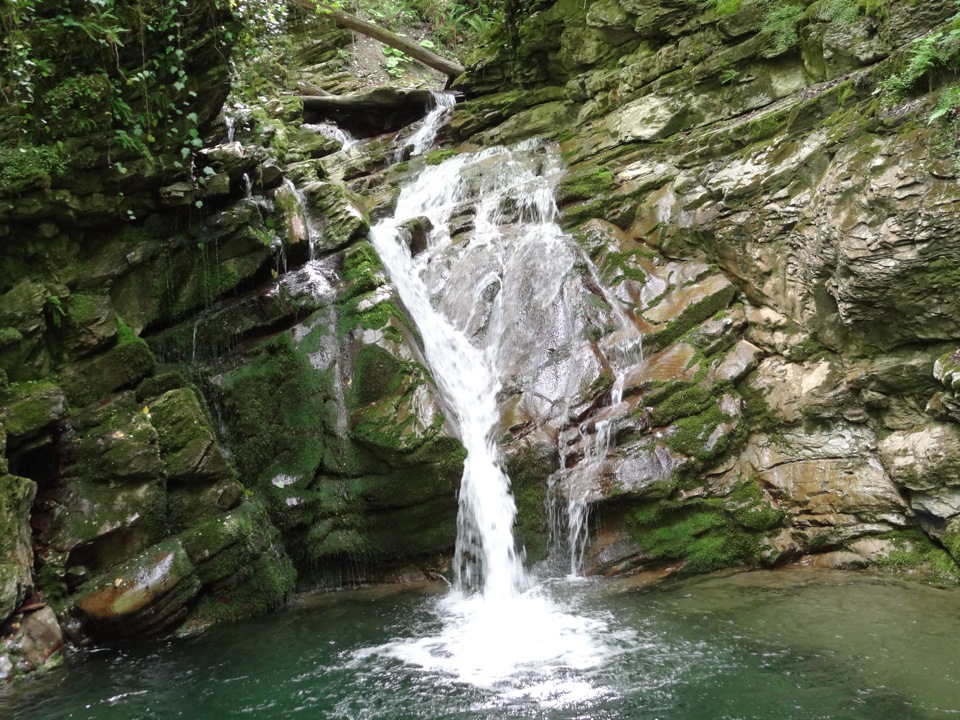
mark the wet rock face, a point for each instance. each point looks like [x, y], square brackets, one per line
[733, 353]
[778, 239]
[337, 425]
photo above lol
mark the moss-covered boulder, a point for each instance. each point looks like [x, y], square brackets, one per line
[16, 551]
[31, 410]
[148, 595]
[189, 447]
[241, 563]
[121, 367]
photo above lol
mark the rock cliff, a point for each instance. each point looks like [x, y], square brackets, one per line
[210, 386]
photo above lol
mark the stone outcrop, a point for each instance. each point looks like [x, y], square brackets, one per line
[822, 317]
[749, 355]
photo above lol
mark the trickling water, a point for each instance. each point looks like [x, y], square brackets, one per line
[247, 186]
[332, 131]
[513, 625]
[229, 123]
[313, 232]
[625, 350]
[423, 138]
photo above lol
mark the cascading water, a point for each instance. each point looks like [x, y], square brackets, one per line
[626, 350]
[513, 627]
[423, 138]
[485, 552]
[332, 131]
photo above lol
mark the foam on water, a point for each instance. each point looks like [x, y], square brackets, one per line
[498, 629]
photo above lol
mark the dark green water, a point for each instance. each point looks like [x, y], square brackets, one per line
[755, 645]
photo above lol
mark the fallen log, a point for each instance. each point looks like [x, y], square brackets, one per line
[345, 20]
[370, 113]
[308, 88]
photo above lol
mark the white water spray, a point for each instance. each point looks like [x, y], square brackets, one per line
[423, 138]
[334, 132]
[513, 628]
[468, 378]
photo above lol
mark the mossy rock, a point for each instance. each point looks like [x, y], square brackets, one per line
[99, 525]
[16, 554]
[223, 546]
[192, 504]
[242, 564]
[913, 550]
[147, 595]
[123, 366]
[32, 409]
[90, 324]
[124, 448]
[529, 464]
[188, 444]
[707, 534]
[376, 375]
[585, 184]
[282, 414]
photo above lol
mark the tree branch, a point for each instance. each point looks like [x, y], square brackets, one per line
[411, 48]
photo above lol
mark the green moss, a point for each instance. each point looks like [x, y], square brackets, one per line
[586, 184]
[914, 549]
[82, 309]
[705, 533]
[691, 433]
[685, 401]
[31, 407]
[758, 415]
[393, 334]
[438, 156]
[261, 586]
[690, 317]
[699, 534]
[617, 266]
[749, 509]
[159, 384]
[30, 166]
[123, 366]
[377, 374]
[9, 336]
[281, 412]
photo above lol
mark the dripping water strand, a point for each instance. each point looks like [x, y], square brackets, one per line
[624, 350]
[423, 138]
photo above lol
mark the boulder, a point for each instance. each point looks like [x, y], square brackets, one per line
[188, 445]
[149, 595]
[16, 550]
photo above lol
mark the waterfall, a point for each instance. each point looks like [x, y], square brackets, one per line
[309, 225]
[423, 138]
[624, 351]
[469, 380]
[332, 131]
[489, 294]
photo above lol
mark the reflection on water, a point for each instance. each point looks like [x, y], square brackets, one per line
[770, 645]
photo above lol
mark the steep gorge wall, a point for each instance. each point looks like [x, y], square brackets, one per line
[780, 163]
[194, 413]
[185, 427]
